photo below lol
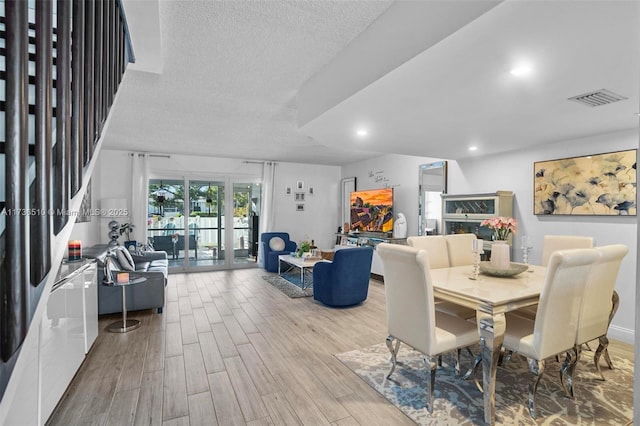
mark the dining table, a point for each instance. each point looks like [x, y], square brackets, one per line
[491, 296]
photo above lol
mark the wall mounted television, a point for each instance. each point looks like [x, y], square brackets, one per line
[372, 210]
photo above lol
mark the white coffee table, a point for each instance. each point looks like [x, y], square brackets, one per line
[298, 262]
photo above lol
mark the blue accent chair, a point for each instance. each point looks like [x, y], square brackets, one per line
[271, 256]
[345, 281]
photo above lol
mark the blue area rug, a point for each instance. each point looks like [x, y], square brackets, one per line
[459, 402]
[289, 288]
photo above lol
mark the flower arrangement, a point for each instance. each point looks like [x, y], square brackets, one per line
[502, 227]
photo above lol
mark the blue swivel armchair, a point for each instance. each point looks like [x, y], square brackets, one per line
[273, 245]
[345, 281]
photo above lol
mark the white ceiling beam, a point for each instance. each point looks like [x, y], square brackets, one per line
[405, 30]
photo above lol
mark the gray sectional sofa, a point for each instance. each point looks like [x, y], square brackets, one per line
[149, 294]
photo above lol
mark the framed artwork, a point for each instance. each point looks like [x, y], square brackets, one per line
[84, 215]
[287, 190]
[601, 184]
[300, 185]
[311, 190]
[299, 196]
[299, 207]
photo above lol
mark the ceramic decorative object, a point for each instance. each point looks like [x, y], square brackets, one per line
[511, 270]
[500, 255]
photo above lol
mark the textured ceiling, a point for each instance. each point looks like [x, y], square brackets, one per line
[231, 71]
[228, 77]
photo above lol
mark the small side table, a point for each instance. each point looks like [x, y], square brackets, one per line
[126, 324]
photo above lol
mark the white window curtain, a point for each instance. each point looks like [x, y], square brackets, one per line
[139, 195]
[267, 210]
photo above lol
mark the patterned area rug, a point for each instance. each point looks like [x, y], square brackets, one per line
[459, 402]
[289, 288]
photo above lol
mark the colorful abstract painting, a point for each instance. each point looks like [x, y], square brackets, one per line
[602, 184]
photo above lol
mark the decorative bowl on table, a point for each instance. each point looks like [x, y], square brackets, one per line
[310, 256]
[514, 269]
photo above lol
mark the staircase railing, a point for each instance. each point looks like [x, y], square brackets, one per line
[78, 49]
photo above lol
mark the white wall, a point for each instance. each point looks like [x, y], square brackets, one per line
[514, 171]
[401, 172]
[91, 233]
[318, 221]
[111, 179]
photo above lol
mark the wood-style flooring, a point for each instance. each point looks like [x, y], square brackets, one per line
[230, 349]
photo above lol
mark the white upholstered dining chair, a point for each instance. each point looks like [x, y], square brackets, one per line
[551, 243]
[596, 311]
[438, 254]
[411, 314]
[459, 249]
[555, 326]
[436, 248]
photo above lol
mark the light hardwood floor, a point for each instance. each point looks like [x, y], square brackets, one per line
[231, 349]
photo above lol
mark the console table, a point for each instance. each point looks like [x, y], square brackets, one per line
[357, 239]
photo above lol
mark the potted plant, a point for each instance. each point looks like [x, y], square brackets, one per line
[127, 229]
[303, 248]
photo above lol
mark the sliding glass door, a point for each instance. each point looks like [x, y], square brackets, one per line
[165, 226]
[206, 222]
[246, 202]
[191, 227]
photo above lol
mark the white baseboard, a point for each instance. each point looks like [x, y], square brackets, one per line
[625, 335]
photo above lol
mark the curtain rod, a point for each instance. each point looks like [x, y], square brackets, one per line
[150, 155]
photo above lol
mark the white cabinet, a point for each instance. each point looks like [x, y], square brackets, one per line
[61, 343]
[90, 306]
[462, 214]
[364, 239]
[68, 329]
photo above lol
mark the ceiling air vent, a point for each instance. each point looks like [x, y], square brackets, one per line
[597, 98]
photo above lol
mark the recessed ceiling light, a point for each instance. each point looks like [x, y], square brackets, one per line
[362, 132]
[473, 148]
[520, 70]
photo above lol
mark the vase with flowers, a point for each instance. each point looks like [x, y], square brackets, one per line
[503, 229]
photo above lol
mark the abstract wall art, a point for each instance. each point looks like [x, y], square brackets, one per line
[600, 184]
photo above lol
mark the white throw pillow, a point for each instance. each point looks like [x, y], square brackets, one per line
[125, 259]
[276, 244]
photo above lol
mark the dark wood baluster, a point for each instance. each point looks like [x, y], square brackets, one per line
[41, 222]
[77, 85]
[63, 116]
[14, 289]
